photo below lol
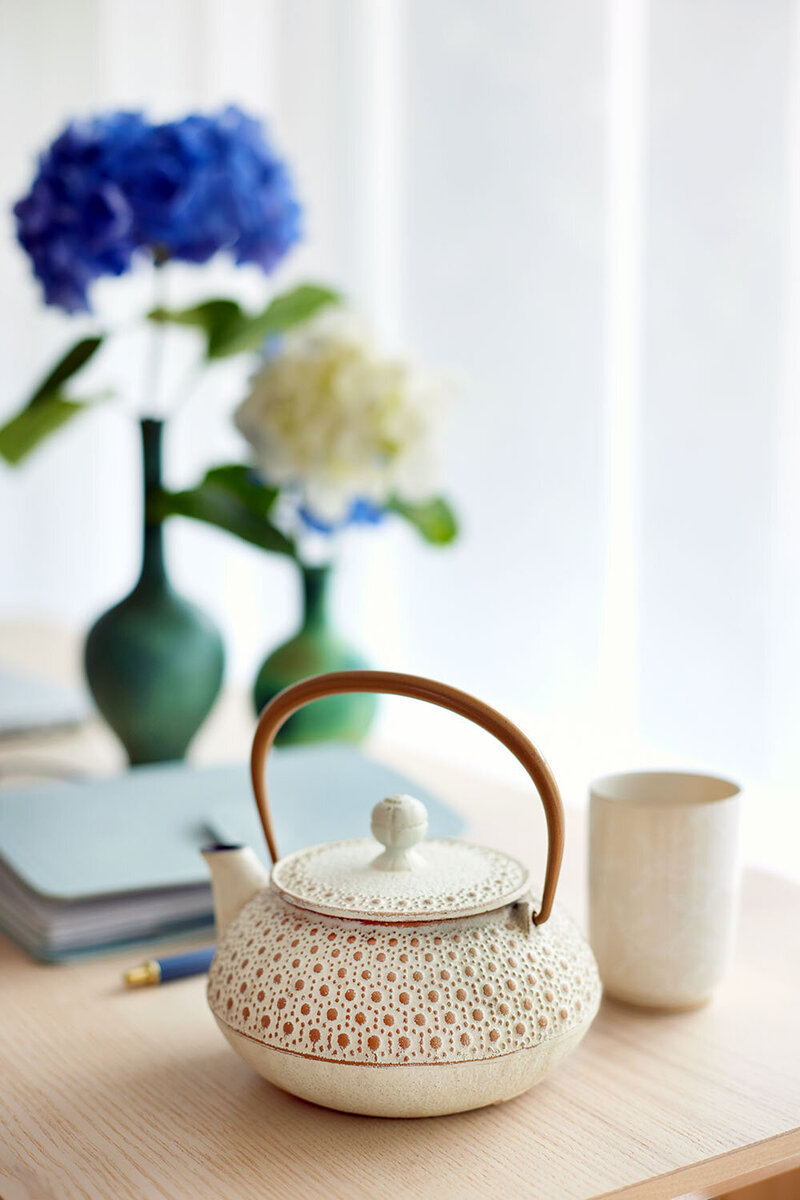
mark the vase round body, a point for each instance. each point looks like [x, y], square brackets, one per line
[154, 662]
[397, 976]
[315, 649]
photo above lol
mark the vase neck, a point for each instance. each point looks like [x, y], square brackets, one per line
[316, 582]
[153, 573]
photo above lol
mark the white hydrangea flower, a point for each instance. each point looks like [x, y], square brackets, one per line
[333, 418]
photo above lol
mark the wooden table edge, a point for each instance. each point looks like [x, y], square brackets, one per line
[735, 1168]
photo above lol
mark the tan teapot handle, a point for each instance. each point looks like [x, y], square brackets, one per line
[281, 707]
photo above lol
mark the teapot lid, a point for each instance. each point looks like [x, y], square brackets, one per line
[410, 880]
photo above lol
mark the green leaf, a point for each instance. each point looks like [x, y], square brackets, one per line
[231, 330]
[48, 408]
[215, 318]
[285, 311]
[36, 422]
[434, 520]
[231, 499]
[241, 480]
[69, 365]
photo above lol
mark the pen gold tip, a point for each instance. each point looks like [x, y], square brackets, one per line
[144, 976]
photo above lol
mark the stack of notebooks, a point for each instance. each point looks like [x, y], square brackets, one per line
[90, 866]
[30, 705]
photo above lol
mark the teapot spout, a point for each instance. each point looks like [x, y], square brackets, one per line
[236, 875]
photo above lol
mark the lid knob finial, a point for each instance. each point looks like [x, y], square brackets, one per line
[399, 822]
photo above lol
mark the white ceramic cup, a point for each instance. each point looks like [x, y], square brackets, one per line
[663, 885]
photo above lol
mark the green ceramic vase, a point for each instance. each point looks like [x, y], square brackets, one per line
[316, 648]
[154, 662]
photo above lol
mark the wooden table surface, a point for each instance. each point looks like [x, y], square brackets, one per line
[107, 1093]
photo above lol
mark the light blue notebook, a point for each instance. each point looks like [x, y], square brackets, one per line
[31, 705]
[89, 865]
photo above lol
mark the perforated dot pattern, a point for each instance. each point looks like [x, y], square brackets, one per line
[451, 878]
[356, 992]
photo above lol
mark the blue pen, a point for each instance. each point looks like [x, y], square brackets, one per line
[164, 970]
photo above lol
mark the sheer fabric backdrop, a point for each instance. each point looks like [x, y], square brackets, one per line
[592, 211]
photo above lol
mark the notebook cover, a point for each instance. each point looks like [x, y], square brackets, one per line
[144, 829]
[31, 705]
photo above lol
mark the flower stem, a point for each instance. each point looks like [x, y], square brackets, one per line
[155, 364]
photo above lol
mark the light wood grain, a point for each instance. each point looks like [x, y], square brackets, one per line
[706, 1180]
[110, 1095]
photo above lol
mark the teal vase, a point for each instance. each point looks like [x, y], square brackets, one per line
[154, 662]
[316, 648]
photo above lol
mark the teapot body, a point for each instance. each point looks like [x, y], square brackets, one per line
[401, 1019]
[397, 975]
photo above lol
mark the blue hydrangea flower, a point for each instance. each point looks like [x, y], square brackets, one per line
[76, 222]
[184, 189]
[362, 512]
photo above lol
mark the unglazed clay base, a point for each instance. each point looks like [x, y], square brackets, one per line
[430, 1090]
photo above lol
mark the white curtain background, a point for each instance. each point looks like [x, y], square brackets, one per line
[591, 211]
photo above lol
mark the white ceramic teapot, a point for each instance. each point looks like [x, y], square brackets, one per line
[407, 979]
